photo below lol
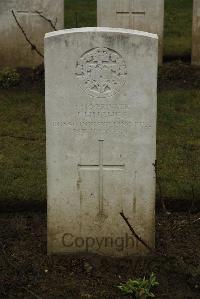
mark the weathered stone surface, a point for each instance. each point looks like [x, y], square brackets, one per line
[14, 49]
[144, 15]
[101, 139]
[196, 33]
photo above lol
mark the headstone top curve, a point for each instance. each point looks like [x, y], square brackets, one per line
[101, 29]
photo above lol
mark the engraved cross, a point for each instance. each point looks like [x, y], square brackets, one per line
[130, 13]
[101, 167]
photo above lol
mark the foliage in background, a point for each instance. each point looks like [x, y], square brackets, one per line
[9, 78]
[140, 288]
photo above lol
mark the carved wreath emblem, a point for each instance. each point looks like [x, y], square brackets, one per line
[102, 72]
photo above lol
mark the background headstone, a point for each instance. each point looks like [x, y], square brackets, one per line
[15, 51]
[196, 33]
[101, 102]
[143, 15]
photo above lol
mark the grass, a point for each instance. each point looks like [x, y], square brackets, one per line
[178, 144]
[22, 158]
[22, 143]
[178, 23]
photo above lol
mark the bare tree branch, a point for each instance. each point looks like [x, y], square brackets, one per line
[135, 234]
[33, 47]
[48, 20]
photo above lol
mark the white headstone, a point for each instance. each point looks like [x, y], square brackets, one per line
[196, 33]
[15, 51]
[101, 139]
[144, 15]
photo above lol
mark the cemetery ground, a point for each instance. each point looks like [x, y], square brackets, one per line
[26, 270]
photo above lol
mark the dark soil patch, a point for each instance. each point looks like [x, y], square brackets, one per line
[178, 75]
[172, 205]
[27, 271]
[186, 58]
[32, 78]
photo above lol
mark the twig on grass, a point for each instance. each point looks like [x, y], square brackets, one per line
[135, 234]
[192, 203]
[193, 175]
[33, 47]
[196, 220]
[160, 188]
[22, 138]
[76, 19]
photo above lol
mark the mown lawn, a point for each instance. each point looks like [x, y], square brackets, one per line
[178, 143]
[22, 144]
[178, 23]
